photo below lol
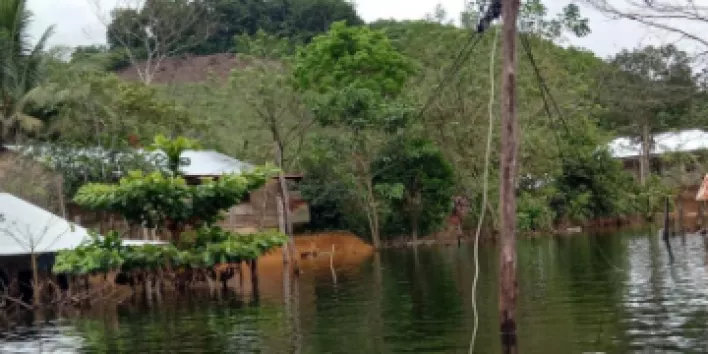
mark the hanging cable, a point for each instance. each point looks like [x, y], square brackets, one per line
[485, 187]
[461, 58]
[492, 13]
[547, 96]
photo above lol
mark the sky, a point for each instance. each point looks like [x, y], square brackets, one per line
[79, 22]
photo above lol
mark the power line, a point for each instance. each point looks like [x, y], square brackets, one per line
[545, 91]
[462, 57]
[545, 94]
[487, 17]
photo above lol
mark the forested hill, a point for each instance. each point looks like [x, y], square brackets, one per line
[368, 130]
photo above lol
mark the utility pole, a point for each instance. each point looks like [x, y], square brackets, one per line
[508, 287]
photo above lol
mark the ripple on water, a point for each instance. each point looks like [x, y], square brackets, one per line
[581, 294]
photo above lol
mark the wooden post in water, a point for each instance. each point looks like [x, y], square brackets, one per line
[508, 288]
[679, 216]
[666, 232]
[254, 277]
[36, 295]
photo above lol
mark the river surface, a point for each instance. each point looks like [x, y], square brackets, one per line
[612, 293]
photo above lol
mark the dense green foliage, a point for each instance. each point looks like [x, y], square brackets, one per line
[213, 246]
[353, 78]
[361, 110]
[210, 26]
[164, 200]
[79, 165]
[157, 200]
[173, 149]
[355, 75]
[96, 108]
[420, 184]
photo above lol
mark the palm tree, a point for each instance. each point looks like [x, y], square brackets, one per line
[20, 66]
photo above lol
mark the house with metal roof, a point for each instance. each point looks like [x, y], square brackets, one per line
[28, 229]
[692, 141]
[680, 158]
[30, 237]
[258, 211]
[198, 163]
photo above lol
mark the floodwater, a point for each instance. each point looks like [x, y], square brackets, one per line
[613, 294]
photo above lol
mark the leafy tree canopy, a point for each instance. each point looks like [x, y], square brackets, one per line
[422, 182]
[223, 20]
[356, 76]
[167, 202]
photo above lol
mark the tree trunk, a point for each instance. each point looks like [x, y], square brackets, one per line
[254, 277]
[281, 225]
[415, 206]
[285, 203]
[644, 160]
[414, 227]
[665, 232]
[60, 193]
[508, 287]
[373, 214]
[679, 215]
[36, 299]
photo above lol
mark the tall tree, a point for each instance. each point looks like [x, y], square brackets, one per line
[649, 90]
[20, 68]
[267, 89]
[149, 31]
[298, 20]
[355, 77]
[424, 181]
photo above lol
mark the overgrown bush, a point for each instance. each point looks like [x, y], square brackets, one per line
[212, 246]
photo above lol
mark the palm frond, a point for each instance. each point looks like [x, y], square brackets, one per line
[21, 64]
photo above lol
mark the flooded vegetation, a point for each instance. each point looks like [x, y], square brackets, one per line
[609, 293]
[152, 181]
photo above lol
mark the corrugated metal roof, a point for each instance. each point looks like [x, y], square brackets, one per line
[681, 141]
[211, 163]
[26, 228]
[201, 162]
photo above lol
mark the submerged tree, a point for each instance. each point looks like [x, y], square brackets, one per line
[267, 89]
[167, 201]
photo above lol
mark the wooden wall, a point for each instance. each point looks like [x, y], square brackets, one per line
[31, 181]
[260, 211]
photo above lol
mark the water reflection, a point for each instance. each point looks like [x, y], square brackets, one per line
[611, 294]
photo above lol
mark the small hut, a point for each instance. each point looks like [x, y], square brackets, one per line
[260, 209]
[679, 158]
[30, 237]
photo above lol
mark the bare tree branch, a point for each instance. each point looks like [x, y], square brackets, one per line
[161, 29]
[674, 17]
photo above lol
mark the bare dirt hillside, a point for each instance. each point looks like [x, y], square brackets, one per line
[190, 69]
